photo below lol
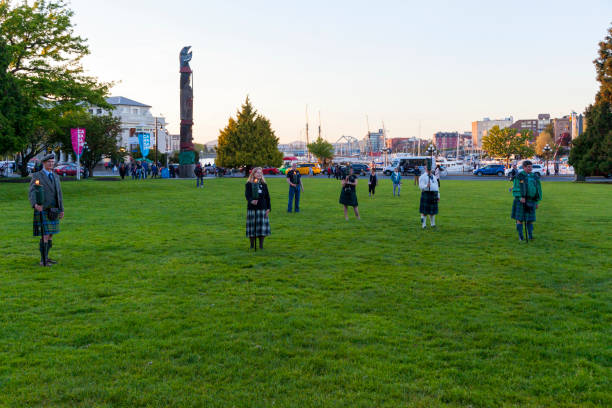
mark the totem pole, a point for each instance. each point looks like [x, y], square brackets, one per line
[186, 155]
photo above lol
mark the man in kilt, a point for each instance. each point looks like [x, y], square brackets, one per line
[430, 196]
[527, 192]
[48, 215]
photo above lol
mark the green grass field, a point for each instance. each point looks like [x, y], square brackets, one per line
[158, 302]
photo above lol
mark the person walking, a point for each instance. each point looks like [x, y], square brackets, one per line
[47, 215]
[154, 170]
[512, 175]
[199, 173]
[348, 194]
[527, 192]
[294, 179]
[372, 184]
[438, 173]
[258, 208]
[122, 170]
[430, 196]
[396, 179]
[417, 174]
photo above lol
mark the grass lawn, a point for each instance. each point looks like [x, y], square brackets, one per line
[158, 302]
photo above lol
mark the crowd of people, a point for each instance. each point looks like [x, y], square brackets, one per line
[45, 196]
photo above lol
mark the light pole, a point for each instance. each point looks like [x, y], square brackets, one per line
[431, 149]
[546, 152]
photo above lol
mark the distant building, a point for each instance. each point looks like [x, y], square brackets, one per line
[450, 140]
[400, 144]
[136, 116]
[527, 124]
[561, 126]
[543, 121]
[373, 142]
[481, 127]
[578, 124]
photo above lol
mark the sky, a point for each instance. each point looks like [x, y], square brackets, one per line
[418, 67]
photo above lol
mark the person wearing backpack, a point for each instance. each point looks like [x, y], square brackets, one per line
[527, 192]
[199, 173]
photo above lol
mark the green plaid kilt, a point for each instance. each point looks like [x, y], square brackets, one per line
[257, 224]
[429, 203]
[348, 198]
[50, 227]
[519, 211]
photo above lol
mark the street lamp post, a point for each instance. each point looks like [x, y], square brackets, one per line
[546, 152]
[431, 149]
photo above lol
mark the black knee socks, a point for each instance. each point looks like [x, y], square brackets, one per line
[261, 239]
[252, 242]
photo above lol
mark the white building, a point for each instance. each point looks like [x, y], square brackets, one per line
[481, 127]
[136, 116]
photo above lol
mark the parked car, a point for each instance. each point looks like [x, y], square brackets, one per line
[360, 169]
[270, 170]
[283, 169]
[67, 170]
[490, 170]
[537, 168]
[304, 168]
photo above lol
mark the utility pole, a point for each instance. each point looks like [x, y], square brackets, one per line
[307, 141]
[155, 141]
[419, 141]
[319, 124]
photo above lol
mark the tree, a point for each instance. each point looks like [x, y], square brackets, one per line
[322, 149]
[248, 141]
[592, 151]
[507, 142]
[603, 66]
[44, 58]
[14, 109]
[101, 138]
[544, 138]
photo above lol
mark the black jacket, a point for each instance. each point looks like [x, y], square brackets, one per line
[263, 202]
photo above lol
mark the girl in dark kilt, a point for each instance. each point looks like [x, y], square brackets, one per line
[348, 194]
[258, 208]
[430, 196]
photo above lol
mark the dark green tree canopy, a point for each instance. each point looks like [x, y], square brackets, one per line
[248, 141]
[603, 66]
[44, 59]
[322, 149]
[591, 153]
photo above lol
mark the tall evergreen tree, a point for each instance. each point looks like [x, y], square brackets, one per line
[248, 141]
[591, 153]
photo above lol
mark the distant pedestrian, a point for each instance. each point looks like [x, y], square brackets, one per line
[527, 192]
[556, 168]
[329, 171]
[437, 173]
[48, 214]
[294, 179]
[122, 170]
[372, 184]
[199, 173]
[348, 194]
[430, 196]
[258, 208]
[396, 179]
[154, 170]
[417, 174]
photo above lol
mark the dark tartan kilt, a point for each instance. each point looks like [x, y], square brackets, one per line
[348, 198]
[429, 203]
[519, 212]
[50, 227]
[257, 224]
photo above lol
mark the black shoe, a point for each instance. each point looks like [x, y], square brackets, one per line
[51, 261]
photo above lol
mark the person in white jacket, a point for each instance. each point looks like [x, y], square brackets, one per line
[430, 196]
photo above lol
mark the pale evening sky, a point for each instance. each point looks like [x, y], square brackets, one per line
[440, 63]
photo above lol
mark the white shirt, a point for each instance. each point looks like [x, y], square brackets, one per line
[433, 183]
